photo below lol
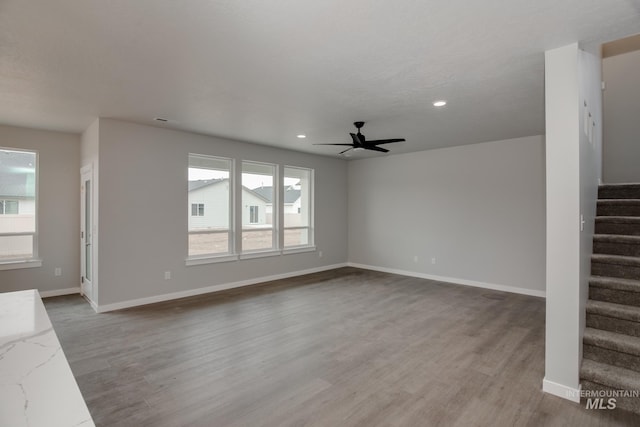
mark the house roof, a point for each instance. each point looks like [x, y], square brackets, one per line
[290, 194]
[265, 193]
[195, 185]
[16, 174]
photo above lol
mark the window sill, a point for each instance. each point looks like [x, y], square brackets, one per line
[298, 250]
[21, 263]
[260, 254]
[210, 259]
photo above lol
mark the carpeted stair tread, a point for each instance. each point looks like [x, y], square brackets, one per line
[615, 283]
[617, 311]
[620, 225]
[619, 191]
[616, 259]
[612, 341]
[618, 207]
[610, 376]
[616, 244]
[619, 219]
[618, 202]
[617, 238]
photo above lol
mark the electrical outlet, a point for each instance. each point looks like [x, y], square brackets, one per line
[167, 275]
[319, 254]
[58, 272]
[433, 260]
[415, 258]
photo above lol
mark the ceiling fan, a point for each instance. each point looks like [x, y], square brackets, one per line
[360, 143]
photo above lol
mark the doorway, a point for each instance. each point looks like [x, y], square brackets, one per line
[86, 233]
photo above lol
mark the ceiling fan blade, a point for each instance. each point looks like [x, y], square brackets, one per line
[375, 148]
[344, 151]
[385, 141]
[350, 145]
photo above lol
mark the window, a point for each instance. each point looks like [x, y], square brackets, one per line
[253, 214]
[259, 206]
[8, 207]
[18, 189]
[210, 230]
[197, 209]
[298, 205]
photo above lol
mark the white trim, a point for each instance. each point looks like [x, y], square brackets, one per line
[22, 263]
[59, 292]
[261, 254]
[210, 259]
[561, 390]
[91, 303]
[209, 289]
[298, 249]
[465, 282]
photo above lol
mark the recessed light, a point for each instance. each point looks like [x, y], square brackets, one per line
[440, 103]
[301, 136]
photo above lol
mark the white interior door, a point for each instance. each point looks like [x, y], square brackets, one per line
[86, 231]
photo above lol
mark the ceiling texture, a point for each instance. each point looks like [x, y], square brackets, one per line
[265, 71]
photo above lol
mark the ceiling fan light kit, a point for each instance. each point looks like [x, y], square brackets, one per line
[360, 143]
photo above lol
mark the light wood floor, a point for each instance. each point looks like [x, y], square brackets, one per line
[342, 348]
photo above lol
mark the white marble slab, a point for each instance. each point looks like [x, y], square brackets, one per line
[37, 387]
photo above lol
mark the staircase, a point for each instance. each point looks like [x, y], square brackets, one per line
[611, 344]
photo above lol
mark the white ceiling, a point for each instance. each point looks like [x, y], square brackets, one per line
[264, 71]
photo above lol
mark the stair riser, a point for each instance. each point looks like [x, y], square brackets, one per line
[620, 229]
[618, 210]
[611, 324]
[615, 270]
[631, 404]
[614, 296]
[619, 193]
[611, 248]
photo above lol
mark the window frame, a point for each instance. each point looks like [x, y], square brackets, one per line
[275, 213]
[310, 228]
[212, 257]
[34, 260]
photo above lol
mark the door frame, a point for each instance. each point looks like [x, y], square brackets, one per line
[86, 173]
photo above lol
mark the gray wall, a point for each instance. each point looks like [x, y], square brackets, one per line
[143, 220]
[621, 154]
[478, 209]
[58, 209]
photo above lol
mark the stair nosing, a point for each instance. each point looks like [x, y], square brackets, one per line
[614, 341]
[630, 378]
[614, 217]
[613, 310]
[631, 201]
[629, 285]
[611, 259]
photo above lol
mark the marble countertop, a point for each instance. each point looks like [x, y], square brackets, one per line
[37, 387]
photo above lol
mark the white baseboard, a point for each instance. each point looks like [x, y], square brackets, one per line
[59, 292]
[210, 289]
[561, 390]
[465, 282]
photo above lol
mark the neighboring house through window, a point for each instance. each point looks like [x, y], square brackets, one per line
[258, 225]
[210, 233]
[298, 207]
[18, 189]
